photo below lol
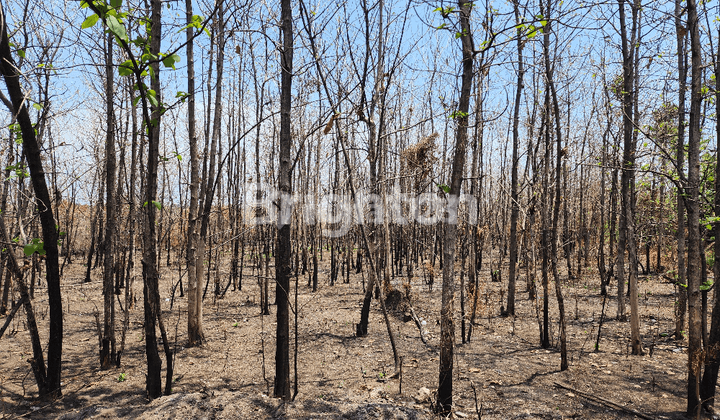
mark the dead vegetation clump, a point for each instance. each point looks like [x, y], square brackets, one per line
[417, 160]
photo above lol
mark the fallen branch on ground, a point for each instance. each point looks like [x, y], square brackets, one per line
[605, 402]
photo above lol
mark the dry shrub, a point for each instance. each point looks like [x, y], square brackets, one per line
[417, 160]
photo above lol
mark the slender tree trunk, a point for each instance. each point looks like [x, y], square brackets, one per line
[32, 153]
[196, 334]
[602, 269]
[545, 238]
[693, 213]
[284, 251]
[514, 197]
[627, 229]
[712, 362]
[681, 305]
[151, 291]
[447, 325]
[558, 179]
[107, 350]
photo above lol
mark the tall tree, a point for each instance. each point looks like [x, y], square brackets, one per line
[283, 254]
[627, 225]
[514, 196]
[447, 325]
[681, 305]
[712, 360]
[107, 349]
[559, 155]
[692, 204]
[151, 291]
[195, 326]
[210, 179]
[152, 110]
[50, 384]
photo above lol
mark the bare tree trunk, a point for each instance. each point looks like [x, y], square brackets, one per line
[196, 334]
[107, 350]
[693, 212]
[712, 362]
[545, 238]
[284, 251]
[681, 305]
[514, 197]
[447, 324]
[602, 269]
[31, 150]
[558, 179]
[151, 291]
[627, 230]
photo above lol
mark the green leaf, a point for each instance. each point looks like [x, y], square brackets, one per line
[36, 245]
[157, 204]
[152, 97]
[116, 3]
[126, 68]
[21, 53]
[444, 188]
[38, 107]
[117, 28]
[182, 96]
[29, 250]
[197, 23]
[90, 21]
[170, 61]
[458, 114]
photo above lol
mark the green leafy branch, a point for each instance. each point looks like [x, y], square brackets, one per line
[139, 65]
[173, 154]
[157, 204]
[19, 171]
[530, 30]
[458, 114]
[36, 245]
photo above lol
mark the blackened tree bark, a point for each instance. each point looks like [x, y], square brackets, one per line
[681, 304]
[283, 255]
[545, 237]
[693, 214]
[31, 153]
[107, 349]
[558, 179]
[514, 197]
[447, 325]
[151, 291]
[712, 360]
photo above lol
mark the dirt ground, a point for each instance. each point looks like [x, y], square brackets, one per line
[503, 373]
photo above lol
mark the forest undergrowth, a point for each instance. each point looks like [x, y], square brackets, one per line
[502, 373]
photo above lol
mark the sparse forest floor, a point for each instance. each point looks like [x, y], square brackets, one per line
[341, 376]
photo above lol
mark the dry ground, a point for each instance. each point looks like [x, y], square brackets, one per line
[341, 376]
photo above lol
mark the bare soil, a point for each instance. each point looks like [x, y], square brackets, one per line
[341, 376]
